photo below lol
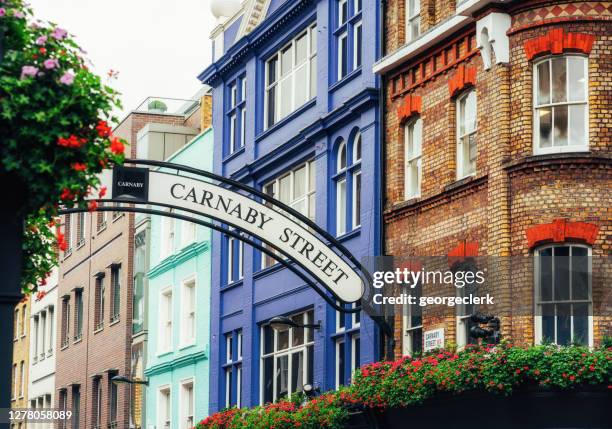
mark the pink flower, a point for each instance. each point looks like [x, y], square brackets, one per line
[18, 14]
[51, 63]
[67, 78]
[28, 71]
[41, 40]
[2, 11]
[59, 33]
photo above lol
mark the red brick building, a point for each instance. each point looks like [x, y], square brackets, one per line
[498, 143]
[96, 285]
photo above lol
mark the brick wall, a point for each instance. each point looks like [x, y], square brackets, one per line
[512, 190]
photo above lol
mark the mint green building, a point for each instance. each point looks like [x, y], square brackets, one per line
[178, 301]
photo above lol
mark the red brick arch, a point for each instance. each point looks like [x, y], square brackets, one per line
[560, 231]
[557, 42]
[410, 105]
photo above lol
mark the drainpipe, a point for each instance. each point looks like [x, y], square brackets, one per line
[387, 342]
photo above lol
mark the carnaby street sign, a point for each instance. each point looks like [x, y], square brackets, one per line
[272, 226]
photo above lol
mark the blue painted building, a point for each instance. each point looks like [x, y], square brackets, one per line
[295, 109]
[178, 294]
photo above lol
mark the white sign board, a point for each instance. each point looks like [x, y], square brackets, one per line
[433, 340]
[248, 215]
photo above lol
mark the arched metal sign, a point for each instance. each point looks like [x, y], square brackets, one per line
[272, 227]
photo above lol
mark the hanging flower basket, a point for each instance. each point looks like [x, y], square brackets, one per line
[54, 132]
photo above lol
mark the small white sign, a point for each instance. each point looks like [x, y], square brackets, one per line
[433, 339]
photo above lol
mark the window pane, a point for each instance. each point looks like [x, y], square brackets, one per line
[341, 207]
[298, 333]
[342, 157]
[560, 121]
[313, 40]
[357, 149]
[357, 352]
[285, 96]
[581, 324]
[559, 80]
[580, 273]
[342, 57]
[470, 112]
[282, 376]
[268, 334]
[268, 365]
[357, 47]
[416, 340]
[299, 183]
[413, 7]
[301, 49]
[577, 80]
[285, 189]
[271, 94]
[340, 362]
[297, 371]
[546, 274]
[309, 376]
[301, 89]
[283, 338]
[548, 323]
[313, 77]
[563, 324]
[311, 176]
[561, 263]
[357, 199]
[342, 11]
[543, 83]
[577, 124]
[272, 70]
[286, 60]
[545, 119]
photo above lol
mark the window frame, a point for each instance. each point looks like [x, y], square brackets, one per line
[346, 30]
[410, 190]
[166, 294]
[188, 311]
[232, 269]
[184, 404]
[537, 292]
[235, 115]
[416, 17]
[408, 329]
[305, 347]
[347, 209]
[310, 194]
[311, 57]
[460, 168]
[161, 396]
[537, 149]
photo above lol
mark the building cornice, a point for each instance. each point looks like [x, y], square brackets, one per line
[180, 362]
[270, 27]
[189, 252]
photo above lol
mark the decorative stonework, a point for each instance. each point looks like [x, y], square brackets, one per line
[492, 38]
[563, 11]
[560, 230]
[411, 105]
[464, 76]
[255, 12]
[556, 41]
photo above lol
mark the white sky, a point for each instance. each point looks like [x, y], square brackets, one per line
[158, 46]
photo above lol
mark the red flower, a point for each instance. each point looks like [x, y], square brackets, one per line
[117, 146]
[43, 51]
[103, 129]
[72, 141]
[79, 166]
[61, 241]
[102, 192]
[67, 195]
[572, 377]
[92, 206]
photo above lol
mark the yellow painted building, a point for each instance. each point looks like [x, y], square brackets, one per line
[21, 354]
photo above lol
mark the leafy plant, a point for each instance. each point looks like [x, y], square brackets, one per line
[407, 381]
[54, 129]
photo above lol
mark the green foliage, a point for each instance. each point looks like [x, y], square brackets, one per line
[497, 369]
[53, 130]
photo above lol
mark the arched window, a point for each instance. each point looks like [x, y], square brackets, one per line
[560, 103]
[348, 184]
[563, 294]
